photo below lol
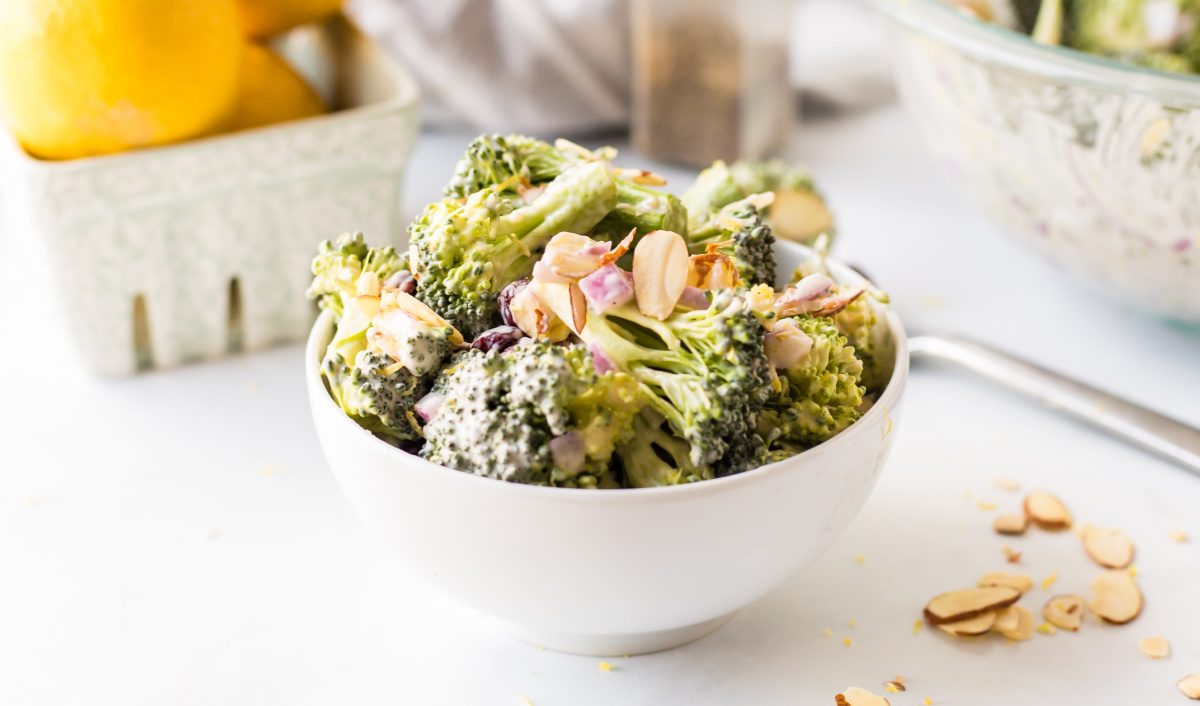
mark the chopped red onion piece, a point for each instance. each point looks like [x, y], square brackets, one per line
[428, 406]
[601, 360]
[568, 451]
[597, 250]
[693, 298]
[811, 287]
[605, 288]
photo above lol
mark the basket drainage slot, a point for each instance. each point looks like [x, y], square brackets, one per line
[235, 335]
[143, 353]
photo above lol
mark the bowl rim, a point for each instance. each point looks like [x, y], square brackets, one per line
[950, 26]
[889, 399]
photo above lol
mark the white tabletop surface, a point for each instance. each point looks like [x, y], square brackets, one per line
[176, 538]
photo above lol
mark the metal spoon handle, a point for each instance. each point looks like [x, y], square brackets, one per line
[1152, 431]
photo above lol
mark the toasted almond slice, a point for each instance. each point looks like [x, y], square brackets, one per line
[894, 685]
[1021, 582]
[1116, 597]
[1064, 611]
[368, 283]
[1047, 511]
[960, 605]
[1107, 547]
[639, 176]
[1010, 524]
[1015, 622]
[799, 215]
[565, 300]
[1178, 536]
[615, 254]
[660, 273]
[535, 317]
[1155, 647]
[421, 312]
[1002, 483]
[970, 627]
[367, 304]
[1190, 686]
[855, 696]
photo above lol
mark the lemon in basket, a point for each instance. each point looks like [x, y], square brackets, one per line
[89, 77]
[271, 92]
[266, 18]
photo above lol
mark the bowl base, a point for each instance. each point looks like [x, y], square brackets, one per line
[614, 644]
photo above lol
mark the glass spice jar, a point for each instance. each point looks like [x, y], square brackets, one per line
[710, 78]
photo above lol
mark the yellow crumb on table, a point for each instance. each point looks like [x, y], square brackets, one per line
[890, 687]
[605, 667]
[847, 641]
[1049, 580]
[852, 623]
[859, 559]
[916, 627]
[1133, 571]
[828, 632]
[524, 700]
[986, 507]
[928, 701]
[1047, 629]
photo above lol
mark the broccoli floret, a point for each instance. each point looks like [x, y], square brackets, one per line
[1121, 29]
[463, 254]
[493, 160]
[705, 371]
[338, 265]
[818, 396]
[379, 394]
[753, 246]
[655, 456]
[798, 213]
[503, 411]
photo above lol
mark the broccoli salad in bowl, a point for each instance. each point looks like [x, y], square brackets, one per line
[557, 321]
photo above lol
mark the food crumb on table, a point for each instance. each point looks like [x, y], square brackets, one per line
[1178, 536]
[605, 667]
[1049, 580]
[210, 533]
[916, 627]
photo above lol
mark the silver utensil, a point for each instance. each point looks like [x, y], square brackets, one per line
[1133, 423]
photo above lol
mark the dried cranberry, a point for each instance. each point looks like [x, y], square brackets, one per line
[498, 339]
[507, 294]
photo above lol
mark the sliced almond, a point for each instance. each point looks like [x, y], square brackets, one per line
[1155, 647]
[368, 283]
[799, 215]
[712, 271]
[616, 253]
[1008, 484]
[1015, 622]
[960, 605]
[1064, 611]
[1190, 686]
[660, 273]
[367, 304]
[420, 311]
[565, 300]
[639, 176]
[1116, 597]
[1047, 511]
[970, 627]
[1010, 524]
[1021, 582]
[536, 318]
[855, 696]
[894, 685]
[1107, 547]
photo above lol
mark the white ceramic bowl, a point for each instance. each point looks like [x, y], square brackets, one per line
[1090, 162]
[184, 252]
[608, 572]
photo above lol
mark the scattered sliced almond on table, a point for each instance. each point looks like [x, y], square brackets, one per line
[660, 273]
[1010, 524]
[1178, 536]
[970, 627]
[1064, 611]
[1155, 647]
[957, 606]
[1008, 484]
[1021, 582]
[1015, 622]
[1107, 547]
[1190, 686]
[896, 684]
[1116, 597]
[855, 696]
[1047, 511]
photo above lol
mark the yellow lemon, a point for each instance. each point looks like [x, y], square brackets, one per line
[267, 18]
[88, 77]
[271, 92]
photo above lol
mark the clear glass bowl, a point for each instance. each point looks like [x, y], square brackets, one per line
[1093, 163]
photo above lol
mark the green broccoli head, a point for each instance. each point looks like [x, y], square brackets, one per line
[498, 161]
[463, 254]
[753, 246]
[818, 395]
[655, 456]
[864, 324]
[1121, 29]
[378, 393]
[704, 371]
[798, 212]
[534, 414]
[339, 264]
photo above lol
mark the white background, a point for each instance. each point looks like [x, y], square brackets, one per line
[176, 538]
